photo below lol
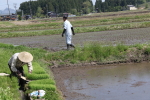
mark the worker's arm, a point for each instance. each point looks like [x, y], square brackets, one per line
[72, 31]
[13, 63]
[30, 67]
[13, 66]
[63, 32]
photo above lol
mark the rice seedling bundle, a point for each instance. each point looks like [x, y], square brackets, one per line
[43, 81]
[37, 76]
[43, 87]
[37, 69]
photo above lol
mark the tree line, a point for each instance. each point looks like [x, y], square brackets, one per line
[116, 5]
[42, 7]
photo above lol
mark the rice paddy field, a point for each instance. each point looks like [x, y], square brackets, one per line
[124, 30]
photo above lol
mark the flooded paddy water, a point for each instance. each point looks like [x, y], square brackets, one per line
[107, 82]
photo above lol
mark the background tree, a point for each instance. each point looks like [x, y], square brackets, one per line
[116, 5]
[39, 12]
[86, 7]
[58, 6]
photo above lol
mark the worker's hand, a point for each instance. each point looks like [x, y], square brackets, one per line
[19, 75]
[30, 71]
[62, 35]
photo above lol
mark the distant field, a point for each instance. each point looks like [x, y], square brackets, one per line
[87, 23]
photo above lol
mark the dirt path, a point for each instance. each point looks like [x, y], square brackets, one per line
[56, 42]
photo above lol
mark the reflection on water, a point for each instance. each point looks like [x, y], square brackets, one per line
[113, 82]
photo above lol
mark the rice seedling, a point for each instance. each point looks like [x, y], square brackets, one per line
[37, 76]
[37, 69]
[43, 81]
[48, 87]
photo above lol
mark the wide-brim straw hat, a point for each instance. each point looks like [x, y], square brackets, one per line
[25, 57]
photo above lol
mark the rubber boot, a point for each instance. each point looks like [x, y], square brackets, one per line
[68, 46]
[72, 45]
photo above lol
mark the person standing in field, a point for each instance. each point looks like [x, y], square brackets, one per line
[68, 31]
[16, 63]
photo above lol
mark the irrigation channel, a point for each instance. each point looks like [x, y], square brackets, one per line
[104, 82]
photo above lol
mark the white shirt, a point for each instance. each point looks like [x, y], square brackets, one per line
[67, 25]
[15, 63]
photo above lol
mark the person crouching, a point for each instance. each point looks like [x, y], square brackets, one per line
[16, 63]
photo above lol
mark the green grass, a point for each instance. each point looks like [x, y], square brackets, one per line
[90, 52]
[6, 94]
[9, 88]
[6, 51]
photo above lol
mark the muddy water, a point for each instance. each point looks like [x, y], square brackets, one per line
[109, 82]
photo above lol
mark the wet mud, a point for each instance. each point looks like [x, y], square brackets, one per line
[56, 42]
[105, 82]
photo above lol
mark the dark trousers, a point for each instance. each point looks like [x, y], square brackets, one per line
[19, 71]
